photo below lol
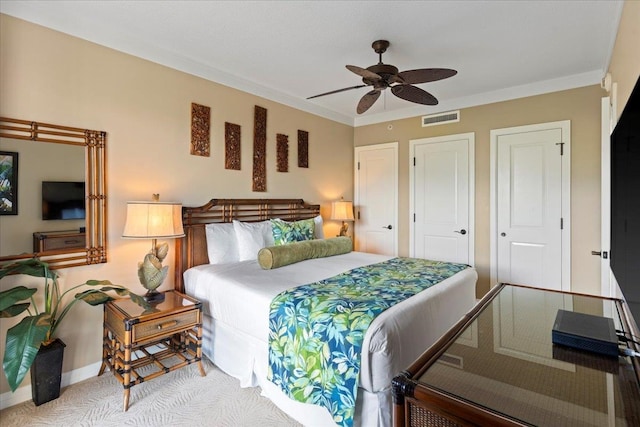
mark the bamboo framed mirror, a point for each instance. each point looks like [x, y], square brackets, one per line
[41, 166]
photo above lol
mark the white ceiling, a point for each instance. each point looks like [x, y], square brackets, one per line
[289, 50]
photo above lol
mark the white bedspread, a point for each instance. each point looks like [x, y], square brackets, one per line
[239, 295]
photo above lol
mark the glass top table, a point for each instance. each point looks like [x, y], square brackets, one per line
[504, 362]
[172, 302]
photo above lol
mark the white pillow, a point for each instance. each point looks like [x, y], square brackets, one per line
[222, 244]
[317, 227]
[251, 237]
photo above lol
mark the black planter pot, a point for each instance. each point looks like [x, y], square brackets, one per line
[46, 372]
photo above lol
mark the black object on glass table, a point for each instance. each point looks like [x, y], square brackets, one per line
[585, 332]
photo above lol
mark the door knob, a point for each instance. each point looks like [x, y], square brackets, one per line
[503, 234]
[389, 227]
[463, 231]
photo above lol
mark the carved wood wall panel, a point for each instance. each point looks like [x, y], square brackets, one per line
[231, 146]
[283, 152]
[303, 149]
[260, 149]
[200, 126]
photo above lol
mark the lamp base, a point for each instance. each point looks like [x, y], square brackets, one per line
[153, 297]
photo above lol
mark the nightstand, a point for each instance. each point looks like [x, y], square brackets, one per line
[166, 337]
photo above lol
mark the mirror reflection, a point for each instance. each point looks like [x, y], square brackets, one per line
[51, 195]
[53, 203]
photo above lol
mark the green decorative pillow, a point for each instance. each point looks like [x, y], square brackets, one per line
[279, 256]
[287, 232]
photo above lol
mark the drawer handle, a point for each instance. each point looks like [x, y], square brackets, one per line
[169, 324]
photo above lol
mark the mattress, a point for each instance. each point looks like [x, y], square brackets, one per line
[236, 300]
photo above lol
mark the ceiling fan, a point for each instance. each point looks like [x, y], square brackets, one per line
[382, 76]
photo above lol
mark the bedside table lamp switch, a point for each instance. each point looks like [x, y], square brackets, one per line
[153, 220]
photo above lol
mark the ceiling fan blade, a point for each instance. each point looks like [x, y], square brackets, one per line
[367, 101]
[363, 72]
[414, 94]
[336, 91]
[424, 75]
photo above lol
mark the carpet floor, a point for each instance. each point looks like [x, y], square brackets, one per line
[180, 398]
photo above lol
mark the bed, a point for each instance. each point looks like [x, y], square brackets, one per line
[236, 300]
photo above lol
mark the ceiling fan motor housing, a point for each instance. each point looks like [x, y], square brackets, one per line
[387, 72]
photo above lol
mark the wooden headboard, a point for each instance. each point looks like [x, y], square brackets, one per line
[191, 250]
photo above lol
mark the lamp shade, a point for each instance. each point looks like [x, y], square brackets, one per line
[342, 210]
[153, 220]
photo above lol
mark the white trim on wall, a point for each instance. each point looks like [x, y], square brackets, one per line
[608, 283]
[22, 394]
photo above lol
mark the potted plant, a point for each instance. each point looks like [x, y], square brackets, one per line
[34, 336]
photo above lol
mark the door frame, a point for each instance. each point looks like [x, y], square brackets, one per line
[356, 189]
[606, 288]
[471, 153]
[608, 284]
[565, 126]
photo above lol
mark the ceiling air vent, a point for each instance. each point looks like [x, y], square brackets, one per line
[441, 118]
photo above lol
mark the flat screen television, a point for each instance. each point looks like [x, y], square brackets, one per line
[625, 203]
[63, 200]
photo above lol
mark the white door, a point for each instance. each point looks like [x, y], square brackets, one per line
[376, 199]
[531, 210]
[441, 198]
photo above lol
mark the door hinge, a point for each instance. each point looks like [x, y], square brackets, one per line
[561, 144]
[414, 161]
[358, 165]
[358, 214]
[414, 217]
[561, 223]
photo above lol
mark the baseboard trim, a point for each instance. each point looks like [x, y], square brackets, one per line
[22, 394]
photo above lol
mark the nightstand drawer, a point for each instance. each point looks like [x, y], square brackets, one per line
[162, 326]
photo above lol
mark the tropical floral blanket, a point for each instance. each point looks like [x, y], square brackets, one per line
[316, 330]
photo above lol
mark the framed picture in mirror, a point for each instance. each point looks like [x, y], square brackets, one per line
[8, 183]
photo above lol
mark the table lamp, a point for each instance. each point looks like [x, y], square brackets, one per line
[153, 220]
[342, 211]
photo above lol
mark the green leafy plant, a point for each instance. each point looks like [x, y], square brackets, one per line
[39, 326]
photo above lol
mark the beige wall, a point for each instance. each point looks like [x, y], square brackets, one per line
[625, 60]
[581, 106]
[145, 109]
